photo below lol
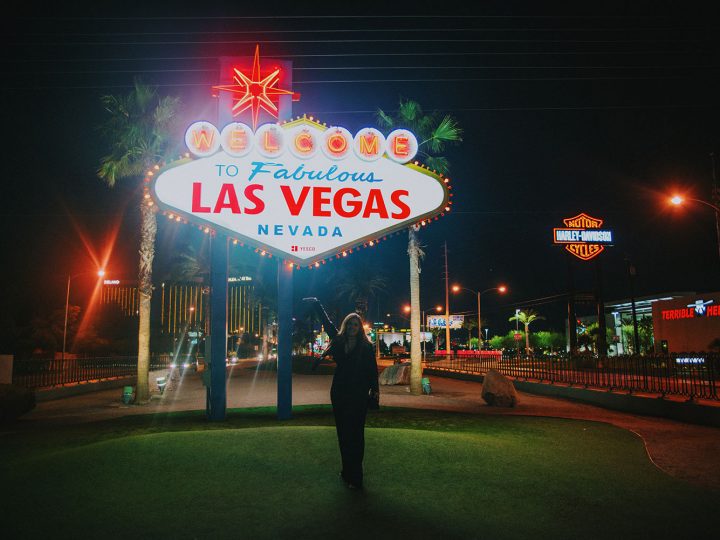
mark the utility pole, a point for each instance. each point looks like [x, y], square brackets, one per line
[715, 198]
[447, 303]
[67, 305]
[631, 277]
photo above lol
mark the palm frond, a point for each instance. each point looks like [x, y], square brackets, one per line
[138, 128]
[446, 131]
[424, 126]
[438, 163]
[409, 112]
[108, 170]
[433, 132]
[166, 110]
[384, 121]
[359, 282]
[143, 95]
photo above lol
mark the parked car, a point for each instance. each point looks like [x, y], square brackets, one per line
[182, 364]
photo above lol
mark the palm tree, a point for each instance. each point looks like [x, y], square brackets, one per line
[358, 283]
[434, 133]
[190, 264]
[471, 324]
[526, 318]
[138, 128]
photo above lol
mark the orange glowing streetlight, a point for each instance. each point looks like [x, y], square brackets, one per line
[678, 200]
[502, 289]
[100, 273]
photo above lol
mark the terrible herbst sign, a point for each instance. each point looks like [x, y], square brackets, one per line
[300, 190]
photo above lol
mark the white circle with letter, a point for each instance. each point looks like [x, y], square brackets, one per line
[202, 139]
[237, 139]
[401, 145]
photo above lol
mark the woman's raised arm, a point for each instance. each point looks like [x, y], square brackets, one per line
[330, 328]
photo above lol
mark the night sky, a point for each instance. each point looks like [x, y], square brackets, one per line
[565, 109]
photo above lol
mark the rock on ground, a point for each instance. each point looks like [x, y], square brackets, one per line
[498, 391]
[395, 374]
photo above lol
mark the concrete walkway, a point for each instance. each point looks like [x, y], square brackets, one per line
[685, 451]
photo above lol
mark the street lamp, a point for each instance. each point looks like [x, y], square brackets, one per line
[389, 315]
[100, 273]
[678, 200]
[500, 288]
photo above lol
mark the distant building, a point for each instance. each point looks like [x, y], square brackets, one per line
[687, 324]
[179, 307]
[621, 313]
[618, 320]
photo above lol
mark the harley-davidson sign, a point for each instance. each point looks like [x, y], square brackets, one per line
[582, 236]
[300, 190]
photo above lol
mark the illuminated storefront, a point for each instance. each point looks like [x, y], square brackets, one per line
[687, 324]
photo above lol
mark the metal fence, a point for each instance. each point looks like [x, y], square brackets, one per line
[46, 373]
[693, 375]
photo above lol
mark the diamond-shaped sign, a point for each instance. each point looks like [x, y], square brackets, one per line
[582, 236]
[300, 208]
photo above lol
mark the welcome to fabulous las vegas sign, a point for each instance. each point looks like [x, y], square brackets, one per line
[300, 190]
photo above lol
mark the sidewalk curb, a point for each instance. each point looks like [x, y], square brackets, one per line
[688, 412]
[59, 392]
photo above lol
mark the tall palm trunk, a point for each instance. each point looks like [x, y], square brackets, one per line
[527, 340]
[414, 253]
[148, 230]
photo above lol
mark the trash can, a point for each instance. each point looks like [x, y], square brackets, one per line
[127, 395]
[426, 385]
[161, 384]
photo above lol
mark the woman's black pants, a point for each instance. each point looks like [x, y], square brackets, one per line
[350, 425]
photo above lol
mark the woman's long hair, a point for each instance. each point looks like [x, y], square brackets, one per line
[342, 333]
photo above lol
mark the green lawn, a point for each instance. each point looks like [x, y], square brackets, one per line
[428, 475]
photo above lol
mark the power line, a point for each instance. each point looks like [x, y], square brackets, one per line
[368, 81]
[356, 30]
[343, 55]
[317, 17]
[318, 41]
[370, 68]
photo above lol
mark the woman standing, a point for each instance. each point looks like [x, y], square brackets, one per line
[354, 388]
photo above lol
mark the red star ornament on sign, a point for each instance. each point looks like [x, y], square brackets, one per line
[256, 92]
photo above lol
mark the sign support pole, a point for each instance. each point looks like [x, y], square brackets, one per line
[572, 322]
[602, 324]
[217, 402]
[284, 358]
